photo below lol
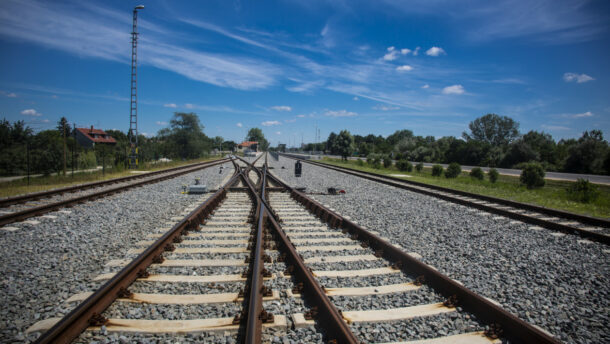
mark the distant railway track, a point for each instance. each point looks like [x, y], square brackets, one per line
[281, 238]
[22, 207]
[585, 226]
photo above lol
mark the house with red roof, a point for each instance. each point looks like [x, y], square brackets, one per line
[88, 137]
[248, 146]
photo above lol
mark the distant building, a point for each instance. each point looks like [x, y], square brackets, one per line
[88, 137]
[248, 146]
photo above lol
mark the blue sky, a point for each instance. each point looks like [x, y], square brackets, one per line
[290, 66]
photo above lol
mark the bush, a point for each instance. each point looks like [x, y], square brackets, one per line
[359, 162]
[404, 165]
[493, 175]
[437, 170]
[453, 170]
[532, 175]
[582, 191]
[477, 173]
[387, 161]
[419, 167]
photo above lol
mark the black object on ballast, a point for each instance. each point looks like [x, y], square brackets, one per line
[298, 168]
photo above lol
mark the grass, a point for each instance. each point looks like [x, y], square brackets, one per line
[552, 195]
[38, 184]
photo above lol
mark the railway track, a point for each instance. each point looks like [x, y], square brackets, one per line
[260, 261]
[585, 226]
[22, 207]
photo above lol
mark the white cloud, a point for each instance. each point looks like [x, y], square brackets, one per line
[383, 107]
[31, 112]
[301, 116]
[391, 55]
[404, 68]
[278, 133]
[356, 98]
[281, 108]
[45, 121]
[9, 94]
[582, 115]
[239, 124]
[290, 120]
[161, 123]
[425, 86]
[435, 51]
[340, 113]
[405, 51]
[455, 89]
[170, 105]
[189, 106]
[270, 123]
[579, 78]
[416, 51]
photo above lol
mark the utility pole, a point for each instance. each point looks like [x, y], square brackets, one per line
[63, 129]
[133, 112]
[73, 149]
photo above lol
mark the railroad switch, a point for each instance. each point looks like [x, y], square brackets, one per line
[494, 331]
[124, 293]
[97, 320]
[451, 302]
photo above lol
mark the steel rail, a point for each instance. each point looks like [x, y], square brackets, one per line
[404, 184]
[513, 328]
[8, 201]
[331, 320]
[27, 213]
[255, 313]
[90, 310]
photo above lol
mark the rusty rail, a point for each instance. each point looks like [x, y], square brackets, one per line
[404, 184]
[89, 311]
[331, 320]
[27, 213]
[8, 201]
[513, 328]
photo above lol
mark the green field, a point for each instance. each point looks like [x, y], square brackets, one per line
[37, 184]
[552, 195]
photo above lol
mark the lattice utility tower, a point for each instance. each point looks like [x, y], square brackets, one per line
[133, 113]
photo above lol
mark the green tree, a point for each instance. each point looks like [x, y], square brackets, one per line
[256, 134]
[344, 144]
[330, 143]
[184, 138]
[493, 129]
[587, 156]
[532, 175]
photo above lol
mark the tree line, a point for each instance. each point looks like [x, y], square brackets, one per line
[43, 152]
[492, 140]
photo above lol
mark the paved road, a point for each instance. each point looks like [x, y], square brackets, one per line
[593, 178]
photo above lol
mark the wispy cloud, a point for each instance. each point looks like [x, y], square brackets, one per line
[31, 112]
[435, 51]
[385, 107]
[270, 123]
[340, 113]
[160, 123]
[582, 115]
[95, 32]
[454, 89]
[189, 106]
[404, 68]
[8, 94]
[281, 108]
[170, 105]
[579, 78]
[239, 125]
[278, 133]
[425, 86]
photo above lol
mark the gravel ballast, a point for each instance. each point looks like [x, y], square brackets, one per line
[558, 283]
[44, 264]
